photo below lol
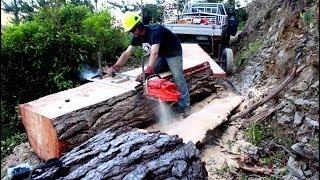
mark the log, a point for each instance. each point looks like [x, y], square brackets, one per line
[129, 155]
[256, 170]
[59, 122]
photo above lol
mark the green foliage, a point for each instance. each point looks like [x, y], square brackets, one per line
[24, 10]
[309, 17]
[110, 40]
[20, 9]
[8, 144]
[254, 133]
[241, 25]
[45, 55]
[152, 13]
[242, 16]
[253, 48]
[276, 158]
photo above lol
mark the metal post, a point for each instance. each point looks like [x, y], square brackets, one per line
[96, 3]
[99, 62]
[177, 10]
[141, 58]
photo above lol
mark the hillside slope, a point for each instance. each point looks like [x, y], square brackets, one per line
[279, 38]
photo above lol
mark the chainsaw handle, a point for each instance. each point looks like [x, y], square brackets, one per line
[147, 79]
[152, 76]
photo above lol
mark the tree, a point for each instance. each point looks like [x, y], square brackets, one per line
[24, 9]
[151, 12]
[20, 9]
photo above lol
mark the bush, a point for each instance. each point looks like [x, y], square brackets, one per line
[45, 55]
[254, 133]
[9, 143]
[253, 48]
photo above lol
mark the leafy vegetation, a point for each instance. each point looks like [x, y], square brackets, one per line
[24, 10]
[8, 144]
[309, 17]
[253, 48]
[242, 16]
[45, 55]
[151, 12]
[254, 133]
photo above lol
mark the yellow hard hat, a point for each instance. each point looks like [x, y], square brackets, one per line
[129, 20]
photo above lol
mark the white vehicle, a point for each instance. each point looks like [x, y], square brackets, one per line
[208, 24]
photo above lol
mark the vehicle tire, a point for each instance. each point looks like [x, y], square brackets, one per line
[227, 60]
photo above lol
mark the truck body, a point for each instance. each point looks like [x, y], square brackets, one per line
[204, 23]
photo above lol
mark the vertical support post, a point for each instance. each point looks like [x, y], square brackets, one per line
[99, 62]
[141, 58]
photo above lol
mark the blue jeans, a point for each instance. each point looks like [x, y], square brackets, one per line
[174, 64]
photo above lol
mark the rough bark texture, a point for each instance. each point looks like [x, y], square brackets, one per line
[130, 154]
[131, 109]
[58, 122]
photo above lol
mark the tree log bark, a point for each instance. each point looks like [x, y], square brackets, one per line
[59, 122]
[132, 154]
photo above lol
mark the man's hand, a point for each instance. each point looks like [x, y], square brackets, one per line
[112, 70]
[148, 72]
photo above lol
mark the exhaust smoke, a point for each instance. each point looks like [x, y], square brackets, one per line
[88, 72]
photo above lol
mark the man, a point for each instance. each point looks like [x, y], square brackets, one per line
[166, 54]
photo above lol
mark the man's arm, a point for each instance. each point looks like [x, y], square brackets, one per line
[154, 55]
[124, 57]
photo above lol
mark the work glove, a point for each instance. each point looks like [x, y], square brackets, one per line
[148, 72]
[111, 71]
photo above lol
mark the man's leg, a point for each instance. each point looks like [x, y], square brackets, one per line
[175, 65]
[161, 65]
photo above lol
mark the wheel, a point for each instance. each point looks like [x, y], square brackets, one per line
[227, 60]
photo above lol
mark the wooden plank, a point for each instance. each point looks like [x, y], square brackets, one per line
[58, 122]
[192, 54]
[195, 127]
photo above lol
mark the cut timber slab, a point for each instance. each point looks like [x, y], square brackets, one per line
[195, 126]
[58, 122]
[192, 54]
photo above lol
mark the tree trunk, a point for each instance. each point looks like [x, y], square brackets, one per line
[130, 154]
[59, 122]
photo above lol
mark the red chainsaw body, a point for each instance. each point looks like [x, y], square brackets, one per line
[162, 89]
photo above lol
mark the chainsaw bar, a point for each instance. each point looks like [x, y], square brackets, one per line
[110, 84]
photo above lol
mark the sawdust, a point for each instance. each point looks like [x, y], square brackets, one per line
[221, 145]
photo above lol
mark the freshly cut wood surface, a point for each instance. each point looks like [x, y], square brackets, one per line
[130, 155]
[58, 122]
[192, 54]
[195, 126]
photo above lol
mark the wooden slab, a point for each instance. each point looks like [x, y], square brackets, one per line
[192, 54]
[58, 122]
[195, 127]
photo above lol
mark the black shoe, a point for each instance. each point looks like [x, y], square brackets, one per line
[186, 112]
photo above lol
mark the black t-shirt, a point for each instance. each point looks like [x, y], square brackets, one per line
[158, 34]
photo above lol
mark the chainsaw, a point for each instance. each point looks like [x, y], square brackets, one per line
[161, 89]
